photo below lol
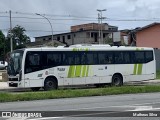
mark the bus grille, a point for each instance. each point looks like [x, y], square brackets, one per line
[13, 79]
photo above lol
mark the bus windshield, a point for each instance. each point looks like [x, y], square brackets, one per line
[15, 62]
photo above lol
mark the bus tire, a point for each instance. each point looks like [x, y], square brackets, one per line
[117, 80]
[35, 88]
[50, 84]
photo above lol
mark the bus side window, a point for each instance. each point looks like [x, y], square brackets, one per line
[50, 60]
[32, 62]
[90, 58]
[68, 58]
[139, 57]
[77, 58]
[53, 59]
[119, 57]
[148, 56]
[83, 59]
[127, 57]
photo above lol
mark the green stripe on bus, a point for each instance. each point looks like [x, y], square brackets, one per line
[74, 49]
[135, 69]
[78, 70]
[75, 71]
[140, 69]
[84, 70]
[71, 71]
[87, 70]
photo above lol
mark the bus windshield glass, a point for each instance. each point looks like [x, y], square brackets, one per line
[15, 62]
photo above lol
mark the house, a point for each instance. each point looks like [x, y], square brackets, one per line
[81, 34]
[148, 36]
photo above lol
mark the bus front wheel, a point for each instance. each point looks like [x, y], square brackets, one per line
[117, 80]
[50, 84]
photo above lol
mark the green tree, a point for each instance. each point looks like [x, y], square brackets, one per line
[19, 37]
[108, 41]
[2, 45]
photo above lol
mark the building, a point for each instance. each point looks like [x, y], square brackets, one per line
[81, 34]
[93, 26]
[148, 36]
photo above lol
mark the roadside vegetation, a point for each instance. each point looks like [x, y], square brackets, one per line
[71, 93]
[158, 74]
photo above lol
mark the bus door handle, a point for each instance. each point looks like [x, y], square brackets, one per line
[41, 78]
[27, 78]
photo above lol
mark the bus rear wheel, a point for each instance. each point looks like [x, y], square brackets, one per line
[117, 80]
[50, 84]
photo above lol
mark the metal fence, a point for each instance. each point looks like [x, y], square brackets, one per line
[157, 55]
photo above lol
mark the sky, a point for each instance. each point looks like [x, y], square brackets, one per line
[125, 14]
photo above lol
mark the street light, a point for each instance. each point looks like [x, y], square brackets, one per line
[100, 21]
[49, 23]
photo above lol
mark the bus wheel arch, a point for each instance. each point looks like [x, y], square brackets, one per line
[117, 79]
[50, 83]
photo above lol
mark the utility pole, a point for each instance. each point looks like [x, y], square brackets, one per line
[100, 21]
[11, 41]
[99, 35]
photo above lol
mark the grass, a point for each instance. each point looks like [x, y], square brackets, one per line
[158, 74]
[71, 93]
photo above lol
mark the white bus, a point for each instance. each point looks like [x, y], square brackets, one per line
[51, 67]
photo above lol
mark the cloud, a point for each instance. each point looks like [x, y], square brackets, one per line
[120, 9]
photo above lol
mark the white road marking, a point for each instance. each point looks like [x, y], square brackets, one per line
[142, 108]
[122, 106]
[133, 105]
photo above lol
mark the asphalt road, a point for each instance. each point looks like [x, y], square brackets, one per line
[92, 107]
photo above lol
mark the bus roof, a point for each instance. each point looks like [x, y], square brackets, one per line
[88, 47]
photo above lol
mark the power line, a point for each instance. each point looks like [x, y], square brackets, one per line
[4, 16]
[55, 15]
[37, 22]
[110, 19]
[37, 30]
[107, 19]
[73, 17]
[48, 18]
